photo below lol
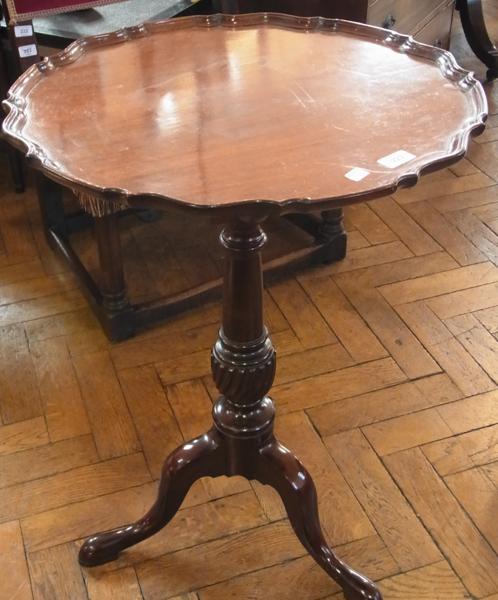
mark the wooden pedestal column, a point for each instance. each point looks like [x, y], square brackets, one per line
[241, 441]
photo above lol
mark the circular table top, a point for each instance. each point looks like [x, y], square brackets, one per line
[265, 109]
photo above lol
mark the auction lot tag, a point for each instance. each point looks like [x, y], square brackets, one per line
[27, 51]
[23, 31]
[357, 174]
[396, 159]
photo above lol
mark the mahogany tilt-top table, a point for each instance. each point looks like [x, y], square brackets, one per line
[289, 114]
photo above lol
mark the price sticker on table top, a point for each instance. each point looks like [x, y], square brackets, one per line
[357, 174]
[396, 159]
[23, 31]
[28, 50]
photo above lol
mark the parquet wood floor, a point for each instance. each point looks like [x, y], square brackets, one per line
[387, 389]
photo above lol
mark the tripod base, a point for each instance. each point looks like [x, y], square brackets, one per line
[241, 441]
[262, 458]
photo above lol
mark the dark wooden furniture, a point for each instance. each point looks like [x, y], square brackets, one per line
[11, 65]
[429, 21]
[14, 157]
[107, 295]
[260, 115]
[59, 29]
[476, 33]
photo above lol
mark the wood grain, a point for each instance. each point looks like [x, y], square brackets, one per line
[461, 366]
[312, 362]
[363, 218]
[111, 423]
[15, 581]
[64, 408]
[445, 233]
[23, 435]
[113, 586]
[302, 315]
[464, 451]
[407, 431]
[20, 397]
[391, 330]
[152, 415]
[435, 189]
[369, 554]
[440, 283]
[180, 139]
[210, 563]
[405, 537]
[340, 384]
[408, 230]
[386, 389]
[47, 460]
[435, 581]
[55, 574]
[152, 349]
[77, 484]
[350, 328]
[470, 554]
[387, 403]
[471, 413]
[478, 496]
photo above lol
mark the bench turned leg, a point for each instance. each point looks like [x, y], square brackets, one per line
[117, 315]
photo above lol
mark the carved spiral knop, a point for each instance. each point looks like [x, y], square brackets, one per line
[243, 374]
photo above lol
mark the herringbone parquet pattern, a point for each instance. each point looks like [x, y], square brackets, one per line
[387, 389]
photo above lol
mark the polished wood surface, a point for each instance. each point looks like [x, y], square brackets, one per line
[211, 113]
[241, 441]
[221, 77]
[85, 411]
[385, 384]
[386, 387]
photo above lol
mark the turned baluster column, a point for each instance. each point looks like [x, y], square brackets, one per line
[243, 358]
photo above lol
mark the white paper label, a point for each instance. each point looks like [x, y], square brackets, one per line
[396, 159]
[357, 174]
[27, 51]
[23, 30]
